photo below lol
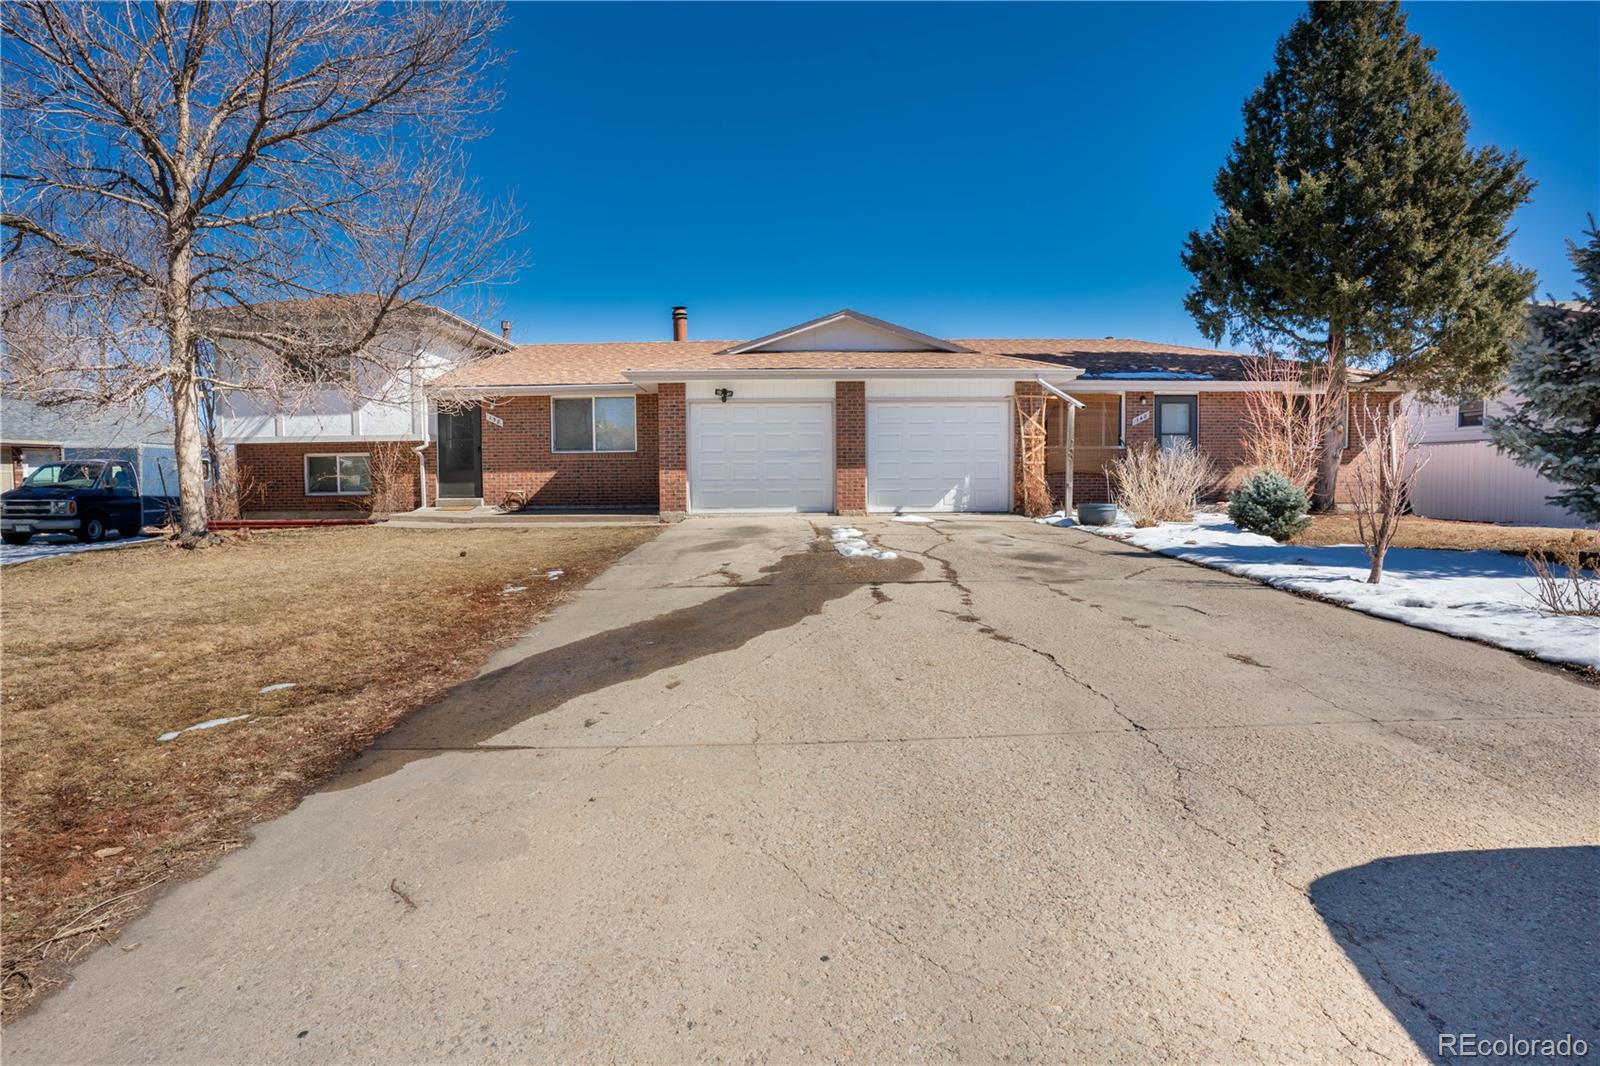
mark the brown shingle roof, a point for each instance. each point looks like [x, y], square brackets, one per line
[604, 364]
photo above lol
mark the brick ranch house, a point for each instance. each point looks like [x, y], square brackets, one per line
[842, 414]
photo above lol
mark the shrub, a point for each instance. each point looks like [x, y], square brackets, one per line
[1569, 582]
[1159, 484]
[1270, 504]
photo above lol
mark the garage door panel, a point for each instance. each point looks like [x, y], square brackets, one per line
[928, 456]
[761, 457]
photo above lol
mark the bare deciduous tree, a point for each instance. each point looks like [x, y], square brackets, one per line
[1287, 418]
[282, 182]
[1381, 478]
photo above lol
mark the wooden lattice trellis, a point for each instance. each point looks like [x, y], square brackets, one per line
[1033, 488]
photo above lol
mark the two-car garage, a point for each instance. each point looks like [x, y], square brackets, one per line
[921, 455]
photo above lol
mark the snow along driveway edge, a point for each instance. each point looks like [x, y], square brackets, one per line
[1479, 595]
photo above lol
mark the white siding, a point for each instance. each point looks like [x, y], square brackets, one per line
[844, 335]
[939, 389]
[385, 419]
[1437, 422]
[398, 412]
[749, 389]
[1470, 481]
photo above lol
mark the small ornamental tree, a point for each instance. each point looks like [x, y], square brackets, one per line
[1555, 373]
[1381, 480]
[1270, 504]
[1356, 227]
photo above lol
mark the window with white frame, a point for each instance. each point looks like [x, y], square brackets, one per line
[1469, 413]
[338, 474]
[593, 424]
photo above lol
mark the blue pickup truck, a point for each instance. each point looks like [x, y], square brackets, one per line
[85, 497]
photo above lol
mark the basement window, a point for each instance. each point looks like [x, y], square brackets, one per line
[338, 474]
[593, 424]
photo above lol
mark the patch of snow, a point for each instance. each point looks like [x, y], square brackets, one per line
[279, 687]
[1484, 595]
[51, 545]
[913, 519]
[1149, 375]
[510, 589]
[210, 724]
[553, 575]
[852, 544]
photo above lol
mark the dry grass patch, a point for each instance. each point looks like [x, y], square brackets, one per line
[105, 651]
[1417, 532]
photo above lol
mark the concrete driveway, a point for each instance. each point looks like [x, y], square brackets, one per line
[1021, 793]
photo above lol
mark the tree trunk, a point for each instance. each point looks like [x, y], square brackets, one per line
[1375, 575]
[191, 473]
[186, 432]
[1323, 499]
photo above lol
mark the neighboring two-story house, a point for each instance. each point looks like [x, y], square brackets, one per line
[324, 451]
[1467, 479]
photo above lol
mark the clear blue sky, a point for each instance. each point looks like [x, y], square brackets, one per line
[967, 170]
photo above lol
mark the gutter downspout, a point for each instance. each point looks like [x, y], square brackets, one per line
[1057, 392]
[422, 466]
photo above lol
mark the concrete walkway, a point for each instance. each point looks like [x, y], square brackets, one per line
[1020, 794]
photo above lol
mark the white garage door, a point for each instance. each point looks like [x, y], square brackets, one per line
[939, 456]
[760, 457]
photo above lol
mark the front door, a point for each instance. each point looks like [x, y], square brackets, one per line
[1175, 422]
[460, 453]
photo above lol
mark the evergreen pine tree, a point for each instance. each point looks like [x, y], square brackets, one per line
[1357, 228]
[1555, 373]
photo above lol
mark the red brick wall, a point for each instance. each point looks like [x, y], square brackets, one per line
[1222, 438]
[517, 458]
[275, 479]
[672, 449]
[1358, 425]
[850, 446]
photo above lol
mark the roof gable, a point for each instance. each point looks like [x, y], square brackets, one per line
[846, 331]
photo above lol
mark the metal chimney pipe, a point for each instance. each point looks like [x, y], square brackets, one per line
[680, 323]
[505, 328]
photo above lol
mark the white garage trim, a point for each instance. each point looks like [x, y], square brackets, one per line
[760, 456]
[939, 455]
[941, 388]
[748, 389]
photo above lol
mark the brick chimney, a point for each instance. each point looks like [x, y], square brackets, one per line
[505, 328]
[680, 323]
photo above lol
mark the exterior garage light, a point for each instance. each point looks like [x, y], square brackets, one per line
[724, 395]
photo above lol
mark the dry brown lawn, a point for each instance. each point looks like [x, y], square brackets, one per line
[1436, 533]
[104, 651]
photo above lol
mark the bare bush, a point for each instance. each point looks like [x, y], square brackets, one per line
[1381, 479]
[392, 478]
[1156, 484]
[231, 488]
[1286, 418]
[1568, 581]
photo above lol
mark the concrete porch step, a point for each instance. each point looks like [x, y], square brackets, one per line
[458, 503]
